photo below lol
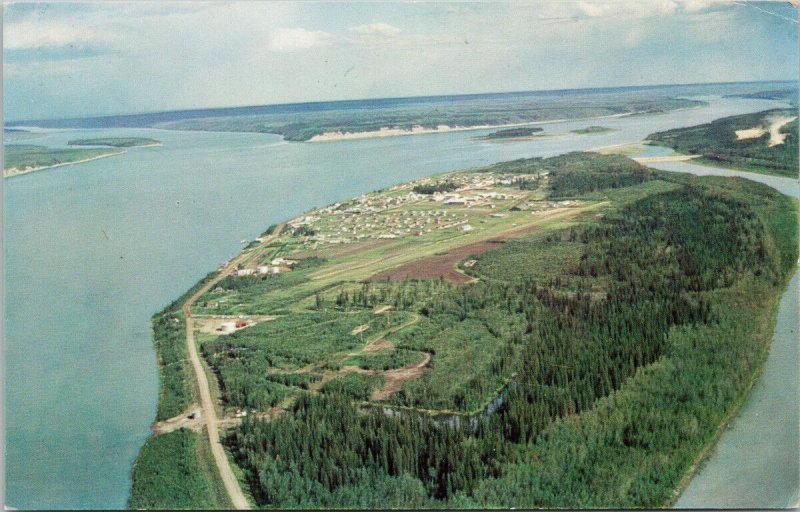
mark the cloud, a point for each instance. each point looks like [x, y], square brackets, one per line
[644, 9]
[26, 35]
[375, 29]
[293, 39]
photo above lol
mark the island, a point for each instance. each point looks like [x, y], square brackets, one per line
[512, 133]
[763, 142]
[593, 130]
[25, 158]
[116, 142]
[564, 332]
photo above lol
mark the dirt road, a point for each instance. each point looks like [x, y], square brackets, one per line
[209, 414]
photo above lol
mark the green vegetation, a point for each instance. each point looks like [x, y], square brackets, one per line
[384, 359]
[176, 470]
[176, 390]
[243, 360]
[115, 142]
[591, 360]
[20, 158]
[302, 126]
[574, 174]
[718, 144]
[788, 94]
[619, 345]
[170, 474]
[512, 133]
[440, 187]
[589, 130]
[353, 386]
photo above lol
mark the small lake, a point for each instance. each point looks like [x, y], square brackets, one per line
[92, 251]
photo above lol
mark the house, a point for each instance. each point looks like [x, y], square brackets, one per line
[466, 227]
[245, 272]
[263, 269]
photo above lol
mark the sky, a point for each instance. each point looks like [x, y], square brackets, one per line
[80, 59]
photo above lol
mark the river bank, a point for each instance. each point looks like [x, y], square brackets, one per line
[93, 295]
[420, 130]
[14, 171]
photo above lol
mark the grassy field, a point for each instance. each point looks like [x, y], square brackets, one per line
[718, 144]
[20, 158]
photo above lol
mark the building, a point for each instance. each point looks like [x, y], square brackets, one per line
[245, 272]
[227, 327]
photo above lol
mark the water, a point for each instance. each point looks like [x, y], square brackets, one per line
[92, 251]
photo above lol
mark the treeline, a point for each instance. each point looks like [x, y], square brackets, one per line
[574, 174]
[573, 346]
[169, 475]
[436, 188]
[717, 142]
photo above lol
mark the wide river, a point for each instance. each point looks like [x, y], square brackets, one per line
[92, 251]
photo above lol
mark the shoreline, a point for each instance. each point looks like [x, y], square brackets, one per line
[710, 448]
[14, 171]
[443, 128]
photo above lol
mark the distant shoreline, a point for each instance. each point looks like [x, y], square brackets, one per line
[443, 128]
[14, 171]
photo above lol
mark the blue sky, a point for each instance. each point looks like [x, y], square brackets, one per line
[69, 59]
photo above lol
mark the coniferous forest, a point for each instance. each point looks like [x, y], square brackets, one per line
[606, 378]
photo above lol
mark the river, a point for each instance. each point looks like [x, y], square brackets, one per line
[92, 251]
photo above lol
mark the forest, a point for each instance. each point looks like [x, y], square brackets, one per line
[608, 373]
[717, 143]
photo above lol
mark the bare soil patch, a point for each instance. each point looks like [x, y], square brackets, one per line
[444, 265]
[396, 378]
